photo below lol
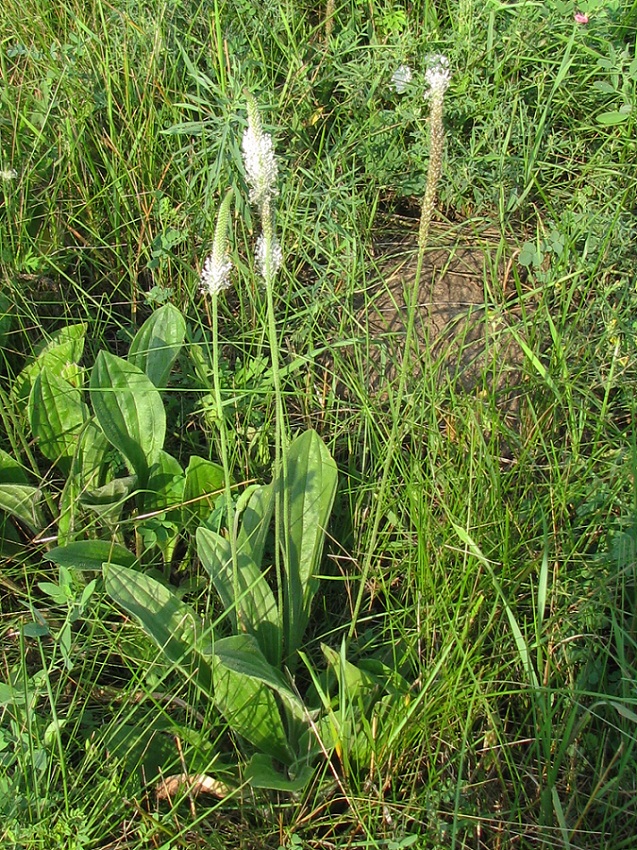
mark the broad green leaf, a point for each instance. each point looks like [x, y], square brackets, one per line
[11, 695]
[204, 484]
[162, 505]
[108, 500]
[311, 479]
[171, 623]
[60, 355]
[353, 681]
[89, 466]
[261, 773]
[255, 523]
[165, 488]
[129, 410]
[250, 709]
[254, 605]
[242, 654]
[90, 555]
[93, 456]
[157, 344]
[11, 470]
[57, 415]
[22, 501]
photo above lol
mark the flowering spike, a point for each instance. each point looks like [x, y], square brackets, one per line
[215, 275]
[438, 76]
[258, 158]
[269, 256]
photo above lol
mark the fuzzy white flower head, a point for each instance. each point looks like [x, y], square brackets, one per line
[261, 252]
[259, 162]
[437, 74]
[401, 78]
[8, 174]
[215, 275]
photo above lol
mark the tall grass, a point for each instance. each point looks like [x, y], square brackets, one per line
[496, 566]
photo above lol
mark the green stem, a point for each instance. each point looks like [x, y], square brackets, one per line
[280, 448]
[223, 437]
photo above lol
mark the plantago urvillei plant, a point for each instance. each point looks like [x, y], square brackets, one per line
[261, 171]
[437, 76]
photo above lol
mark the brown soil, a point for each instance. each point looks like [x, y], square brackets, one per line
[468, 314]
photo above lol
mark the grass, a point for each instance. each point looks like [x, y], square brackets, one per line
[496, 567]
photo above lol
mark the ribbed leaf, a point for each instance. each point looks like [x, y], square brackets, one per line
[241, 654]
[60, 355]
[311, 487]
[157, 344]
[11, 470]
[129, 410]
[57, 415]
[255, 523]
[245, 701]
[22, 502]
[165, 484]
[255, 607]
[170, 622]
[203, 486]
[261, 773]
[90, 555]
[93, 456]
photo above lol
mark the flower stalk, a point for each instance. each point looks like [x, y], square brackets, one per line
[437, 76]
[215, 279]
[261, 172]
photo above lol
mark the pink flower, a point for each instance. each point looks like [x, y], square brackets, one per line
[580, 18]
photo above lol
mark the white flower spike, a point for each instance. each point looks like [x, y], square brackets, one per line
[437, 75]
[215, 275]
[261, 256]
[258, 158]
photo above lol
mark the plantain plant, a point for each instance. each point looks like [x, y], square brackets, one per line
[106, 440]
[249, 673]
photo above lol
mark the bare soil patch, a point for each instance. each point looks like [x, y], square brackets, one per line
[468, 312]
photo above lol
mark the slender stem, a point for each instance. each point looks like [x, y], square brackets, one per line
[280, 448]
[223, 437]
[434, 170]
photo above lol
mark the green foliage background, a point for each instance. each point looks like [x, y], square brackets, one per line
[497, 566]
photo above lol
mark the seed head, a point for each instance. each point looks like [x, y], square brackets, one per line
[215, 275]
[437, 75]
[258, 158]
